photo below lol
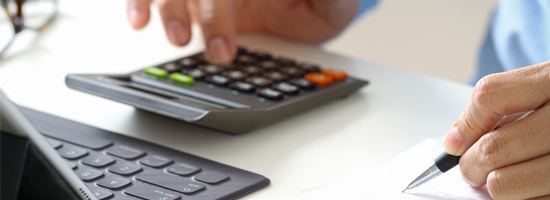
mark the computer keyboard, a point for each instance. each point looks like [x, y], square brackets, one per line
[115, 166]
[255, 90]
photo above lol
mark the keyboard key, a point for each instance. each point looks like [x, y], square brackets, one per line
[101, 193]
[217, 80]
[302, 83]
[171, 67]
[125, 152]
[251, 70]
[125, 198]
[113, 182]
[211, 177]
[189, 63]
[246, 59]
[197, 74]
[293, 71]
[54, 143]
[183, 169]
[235, 75]
[81, 140]
[181, 78]
[211, 69]
[155, 71]
[155, 161]
[259, 81]
[276, 76]
[287, 88]
[337, 75]
[124, 169]
[319, 78]
[243, 87]
[87, 174]
[71, 165]
[171, 182]
[98, 161]
[147, 191]
[69, 152]
[310, 67]
[271, 94]
[269, 65]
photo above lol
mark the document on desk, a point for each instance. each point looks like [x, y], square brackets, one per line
[390, 180]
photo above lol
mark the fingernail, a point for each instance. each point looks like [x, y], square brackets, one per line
[218, 51]
[176, 33]
[453, 141]
[133, 15]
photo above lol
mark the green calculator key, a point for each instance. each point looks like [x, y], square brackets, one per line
[181, 78]
[158, 72]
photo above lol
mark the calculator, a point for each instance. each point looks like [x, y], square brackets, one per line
[255, 90]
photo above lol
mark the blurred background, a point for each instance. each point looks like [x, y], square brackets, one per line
[432, 37]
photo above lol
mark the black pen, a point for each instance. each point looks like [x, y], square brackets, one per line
[443, 163]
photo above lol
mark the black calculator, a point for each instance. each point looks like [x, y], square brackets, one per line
[255, 90]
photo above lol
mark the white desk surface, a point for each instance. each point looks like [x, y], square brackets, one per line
[361, 132]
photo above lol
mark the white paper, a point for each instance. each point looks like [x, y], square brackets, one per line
[390, 180]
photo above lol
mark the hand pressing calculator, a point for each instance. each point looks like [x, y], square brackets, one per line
[255, 90]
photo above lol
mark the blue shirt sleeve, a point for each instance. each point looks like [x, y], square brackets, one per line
[518, 36]
[365, 5]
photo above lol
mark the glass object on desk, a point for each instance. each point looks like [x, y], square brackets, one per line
[18, 15]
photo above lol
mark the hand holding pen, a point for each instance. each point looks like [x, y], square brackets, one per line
[513, 160]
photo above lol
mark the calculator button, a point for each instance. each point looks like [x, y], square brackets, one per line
[125, 152]
[171, 67]
[218, 80]
[146, 191]
[189, 62]
[97, 161]
[211, 177]
[124, 169]
[211, 69]
[337, 75]
[155, 161]
[69, 152]
[287, 88]
[54, 143]
[183, 169]
[113, 182]
[155, 71]
[243, 87]
[172, 182]
[262, 55]
[246, 59]
[181, 78]
[285, 61]
[235, 75]
[101, 193]
[293, 71]
[269, 65]
[195, 73]
[310, 67]
[251, 69]
[259, 81]
[276, 76]
[270, 94]
[319, 78]
[87, 174]
[302, 83]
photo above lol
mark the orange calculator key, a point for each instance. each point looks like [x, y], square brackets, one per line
[336, 74]
[319, 78]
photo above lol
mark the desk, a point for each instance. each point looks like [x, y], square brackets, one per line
[357, 133]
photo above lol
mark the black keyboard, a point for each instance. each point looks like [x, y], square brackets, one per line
[118, 167]
[255, 90]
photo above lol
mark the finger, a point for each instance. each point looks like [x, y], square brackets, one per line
[217, 19]
[547, 197]
[138, 12]
[495, 96]
[522, 181]
[175, 18]
[518, 142]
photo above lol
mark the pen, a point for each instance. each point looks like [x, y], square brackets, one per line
[443, 163]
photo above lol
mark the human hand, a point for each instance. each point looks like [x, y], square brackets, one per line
[312, 21]
[513, 160]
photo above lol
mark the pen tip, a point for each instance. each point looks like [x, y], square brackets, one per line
[405, 190]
